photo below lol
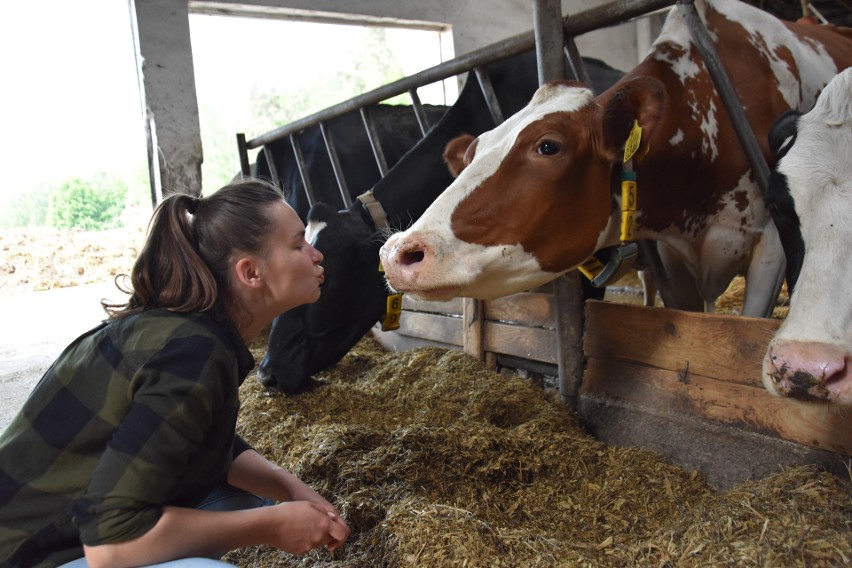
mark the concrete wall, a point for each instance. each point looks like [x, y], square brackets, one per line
[165, 56]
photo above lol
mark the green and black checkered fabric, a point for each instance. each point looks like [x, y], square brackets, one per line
[135, 414]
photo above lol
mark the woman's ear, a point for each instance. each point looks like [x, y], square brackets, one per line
[247, 272]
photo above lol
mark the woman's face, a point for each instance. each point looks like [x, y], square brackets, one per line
[291, 268]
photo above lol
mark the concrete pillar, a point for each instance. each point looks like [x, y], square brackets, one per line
[167, 84]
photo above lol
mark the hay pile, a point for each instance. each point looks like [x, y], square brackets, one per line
[434, 460]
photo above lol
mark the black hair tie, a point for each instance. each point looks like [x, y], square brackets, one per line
[193, 204]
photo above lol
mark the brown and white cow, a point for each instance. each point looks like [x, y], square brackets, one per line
[540, 193]
[810, 197]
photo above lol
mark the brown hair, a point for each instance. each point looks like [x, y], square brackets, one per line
[184, 265]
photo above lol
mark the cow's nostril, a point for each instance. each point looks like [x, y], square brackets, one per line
[411, 257]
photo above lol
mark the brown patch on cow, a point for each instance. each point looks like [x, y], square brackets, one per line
[551, 205]
[741, 200]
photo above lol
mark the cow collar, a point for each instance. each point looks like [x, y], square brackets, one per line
[375, 209]
[393, 306]
[624, 256]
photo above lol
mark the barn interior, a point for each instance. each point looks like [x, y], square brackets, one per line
[487, 461]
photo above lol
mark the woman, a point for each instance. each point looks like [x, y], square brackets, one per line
[133, 426]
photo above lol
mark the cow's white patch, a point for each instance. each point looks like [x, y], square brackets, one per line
[312, 231]
[677, 138]
[710, 128]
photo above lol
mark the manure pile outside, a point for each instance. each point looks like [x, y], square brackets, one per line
[434, 460]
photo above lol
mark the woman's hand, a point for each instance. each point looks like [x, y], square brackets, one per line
[254, 473]
[305, 525]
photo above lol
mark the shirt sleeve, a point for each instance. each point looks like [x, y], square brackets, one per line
[173, 439]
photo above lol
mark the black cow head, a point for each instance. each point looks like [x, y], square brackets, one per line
[779, 202]
[313, 337]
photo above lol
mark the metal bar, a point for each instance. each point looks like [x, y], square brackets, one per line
[422, 119]
[374, 142]
[567, 290]
[490, 96]
[303, 168]
[273, 169]
[611, 14]
[602, 16]
[575, 62]
[726, 92]
[335, 164]
[547, 29]
[245, 167]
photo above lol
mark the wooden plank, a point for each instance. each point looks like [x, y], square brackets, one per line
[533, 343]
[432, 327]
[749, 408]
[568, 302]
[730, 348]
[472, 325]
[526, 308]
[452, 307]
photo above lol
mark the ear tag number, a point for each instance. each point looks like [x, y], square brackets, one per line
[393, 312]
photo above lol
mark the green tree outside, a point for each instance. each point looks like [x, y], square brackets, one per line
[90, 205]
[375, 65]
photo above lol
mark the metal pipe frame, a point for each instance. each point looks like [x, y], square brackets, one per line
[606, 15]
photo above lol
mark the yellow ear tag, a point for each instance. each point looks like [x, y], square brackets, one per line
[393, 312]
[633, 140]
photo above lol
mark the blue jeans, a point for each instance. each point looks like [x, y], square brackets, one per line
[223, 498]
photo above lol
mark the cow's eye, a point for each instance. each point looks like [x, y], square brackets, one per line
[548, 148]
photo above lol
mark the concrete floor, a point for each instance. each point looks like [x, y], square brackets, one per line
[36, 328]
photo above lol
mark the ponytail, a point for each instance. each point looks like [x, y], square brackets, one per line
[185, 264]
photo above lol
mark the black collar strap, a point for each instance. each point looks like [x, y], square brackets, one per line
[393, 306]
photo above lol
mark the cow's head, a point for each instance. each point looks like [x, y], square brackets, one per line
[533, 197]
[810, 197]
[310, 338]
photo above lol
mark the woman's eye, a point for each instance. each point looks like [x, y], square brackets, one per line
[548, 148]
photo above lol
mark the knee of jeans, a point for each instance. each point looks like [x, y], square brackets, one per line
[229, 498]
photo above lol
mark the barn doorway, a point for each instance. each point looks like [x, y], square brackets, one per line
[255, 72]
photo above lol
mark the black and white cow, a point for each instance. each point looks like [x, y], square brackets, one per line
[308, 339]
[397, 130]
[810, 198]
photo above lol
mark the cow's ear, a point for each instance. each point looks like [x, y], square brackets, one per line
[456, 154]
[783, 132]
[641, 100]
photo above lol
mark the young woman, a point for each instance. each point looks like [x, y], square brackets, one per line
[128, 441]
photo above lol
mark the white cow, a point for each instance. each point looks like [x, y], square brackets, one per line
[810, 198]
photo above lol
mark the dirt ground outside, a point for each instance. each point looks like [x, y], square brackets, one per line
[51, 285]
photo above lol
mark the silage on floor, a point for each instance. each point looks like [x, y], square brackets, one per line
[434, 460]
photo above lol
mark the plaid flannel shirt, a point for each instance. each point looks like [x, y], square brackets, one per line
[135, 414]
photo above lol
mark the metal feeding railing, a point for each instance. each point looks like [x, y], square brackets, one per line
[583, 22]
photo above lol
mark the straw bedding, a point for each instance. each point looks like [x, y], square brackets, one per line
[434, 460]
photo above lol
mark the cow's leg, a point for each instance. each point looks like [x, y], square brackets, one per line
[649, 286]
[650, 270]
[765, 274]
[678, 287]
